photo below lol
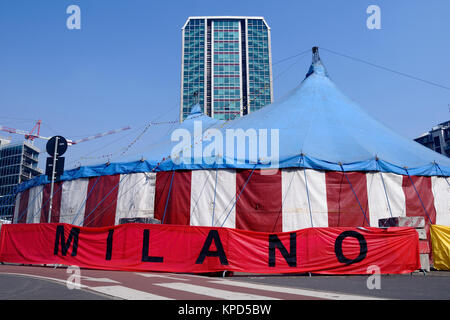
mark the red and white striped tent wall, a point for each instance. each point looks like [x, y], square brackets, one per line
[244, 199]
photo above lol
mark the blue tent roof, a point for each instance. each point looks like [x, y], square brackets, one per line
[321, 128]
[157, 155]
[318, 127]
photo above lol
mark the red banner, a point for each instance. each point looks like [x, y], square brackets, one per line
[174, 248]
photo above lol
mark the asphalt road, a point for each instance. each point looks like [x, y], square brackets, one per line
[47, 283]
[435, 285]
[22, 287]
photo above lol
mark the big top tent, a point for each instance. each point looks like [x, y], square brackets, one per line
[313, 159]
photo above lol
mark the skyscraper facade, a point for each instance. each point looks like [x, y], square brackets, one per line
[226, 66]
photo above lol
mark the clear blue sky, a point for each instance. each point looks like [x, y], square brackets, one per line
[123, 66]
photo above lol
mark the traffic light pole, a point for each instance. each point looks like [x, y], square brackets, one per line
[53, 180]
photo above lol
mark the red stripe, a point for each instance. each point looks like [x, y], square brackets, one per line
[415, 206]
[178, 205]
[23, 207]
[343, 207]
[101, 205]
[56, 202]
[259, 205]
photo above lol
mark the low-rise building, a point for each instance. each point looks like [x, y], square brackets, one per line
[437, 139]
[18, 163]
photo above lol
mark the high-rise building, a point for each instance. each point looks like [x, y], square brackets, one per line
[437, 139]
[18, 163]
[226, 66]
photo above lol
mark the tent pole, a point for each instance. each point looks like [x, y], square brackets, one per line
[214, 202]
[307, 192]
[168, 196]
[384, 187]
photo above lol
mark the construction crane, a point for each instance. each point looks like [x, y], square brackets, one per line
[28, 135]
[31, 135]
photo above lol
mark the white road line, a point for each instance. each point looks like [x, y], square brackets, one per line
[127, 293]
[154, 275]
[213, 292]
[303, 292]
[98, 279]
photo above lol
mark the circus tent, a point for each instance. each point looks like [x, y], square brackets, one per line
[320, 161]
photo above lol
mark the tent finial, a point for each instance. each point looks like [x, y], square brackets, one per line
[315, 51]
[316, 66]
[196, 97]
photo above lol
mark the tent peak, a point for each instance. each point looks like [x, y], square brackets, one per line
[317, 66]
[195, 111]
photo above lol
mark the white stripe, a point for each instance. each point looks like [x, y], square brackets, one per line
[441, 194]
[205, 202]
[136, 196]
[35, 204]
[302, 292]
[154, 275]
[127, 293]
[213, 292]
[73, 198]
[296, 211]
[85, 278]
[378, 202]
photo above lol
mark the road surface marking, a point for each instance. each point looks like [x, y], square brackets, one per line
[303, 292]
[151, 275]
[213, 292]
[127, 293]
[98, 279]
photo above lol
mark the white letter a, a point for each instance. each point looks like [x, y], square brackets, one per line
[374, 21]
[73, 21]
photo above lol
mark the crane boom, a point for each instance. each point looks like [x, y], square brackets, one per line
[99, 135]
[31, 136]
[28, 135]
